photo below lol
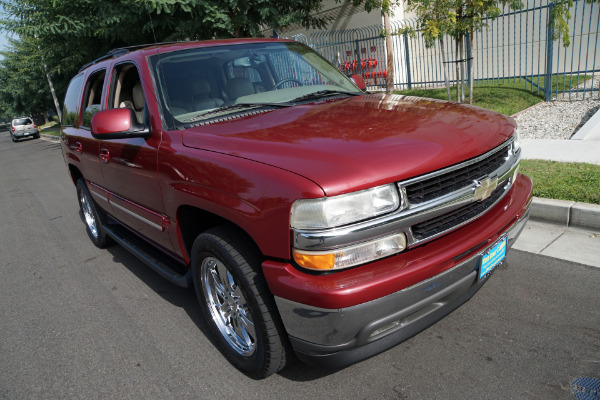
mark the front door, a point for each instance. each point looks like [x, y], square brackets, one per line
[129, 166]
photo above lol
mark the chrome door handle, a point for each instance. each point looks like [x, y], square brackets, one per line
[78, 147]
[104, 155]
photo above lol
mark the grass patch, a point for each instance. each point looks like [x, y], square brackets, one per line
[49, 124]
[508, 97]
[51, 128]
[564, 181]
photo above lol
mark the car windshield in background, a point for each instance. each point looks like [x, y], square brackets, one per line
[207, 82]
[22, 121]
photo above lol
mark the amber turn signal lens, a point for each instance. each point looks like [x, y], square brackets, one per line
[315, 261]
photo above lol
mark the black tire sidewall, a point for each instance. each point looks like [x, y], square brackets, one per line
[207, 246]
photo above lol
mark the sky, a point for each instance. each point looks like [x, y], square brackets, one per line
[3, 41]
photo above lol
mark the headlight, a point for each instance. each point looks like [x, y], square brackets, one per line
[516, 145]
[329, 212]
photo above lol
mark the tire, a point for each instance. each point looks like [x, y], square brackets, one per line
[36, 136]
[237, 304]
[93, 217]
[13, 139]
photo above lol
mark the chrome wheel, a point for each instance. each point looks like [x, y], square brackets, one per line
[88, 214]
[228, 307]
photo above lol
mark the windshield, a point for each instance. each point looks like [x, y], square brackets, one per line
[205, 82]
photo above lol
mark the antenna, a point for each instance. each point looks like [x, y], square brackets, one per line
[151, 22]
[159, 66]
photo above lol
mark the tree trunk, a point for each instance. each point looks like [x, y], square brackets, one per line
[462, 68]
[56, 104]
[389, 87]
[472, 61]
[445, 66]
[456, 58]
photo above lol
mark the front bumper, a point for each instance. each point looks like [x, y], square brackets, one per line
[331, 331]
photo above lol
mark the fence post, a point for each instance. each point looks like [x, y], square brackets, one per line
[407, 58]
[549, 55]
[469, 58]
[360, 71]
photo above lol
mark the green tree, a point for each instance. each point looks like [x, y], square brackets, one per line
[456, 18]
[66, 34]
[23, 84]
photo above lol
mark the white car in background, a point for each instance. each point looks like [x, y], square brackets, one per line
[23, 127]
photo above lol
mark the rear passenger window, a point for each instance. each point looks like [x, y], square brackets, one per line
[92, 100]
[69, 113]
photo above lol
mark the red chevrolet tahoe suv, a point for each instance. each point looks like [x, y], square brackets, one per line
[308, 215]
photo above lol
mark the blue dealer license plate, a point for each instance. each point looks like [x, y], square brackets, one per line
[492, 257]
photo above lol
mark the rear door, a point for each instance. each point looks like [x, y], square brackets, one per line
[82, 148]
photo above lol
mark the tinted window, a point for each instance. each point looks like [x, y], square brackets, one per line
[93, 97]
[195, 84]
[22, 121]
[69, 113]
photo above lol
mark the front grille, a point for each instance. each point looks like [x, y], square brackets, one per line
[454, 218]
[451, 181]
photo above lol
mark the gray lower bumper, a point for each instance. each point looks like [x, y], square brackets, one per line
[26, 134]
[339, 337]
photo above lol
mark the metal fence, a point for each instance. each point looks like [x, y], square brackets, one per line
[515, 47]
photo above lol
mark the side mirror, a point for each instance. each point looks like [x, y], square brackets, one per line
[118, 123]
[359, 81]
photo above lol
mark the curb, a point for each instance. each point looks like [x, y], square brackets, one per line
[51, 138]
[566, 213]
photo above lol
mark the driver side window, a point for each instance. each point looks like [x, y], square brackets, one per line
[126, 91]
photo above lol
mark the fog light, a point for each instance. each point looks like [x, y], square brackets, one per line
[351, 256]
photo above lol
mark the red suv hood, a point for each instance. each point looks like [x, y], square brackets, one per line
[358, 142]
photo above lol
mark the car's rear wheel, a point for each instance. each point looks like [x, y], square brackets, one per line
[236, 302]
[92, 216]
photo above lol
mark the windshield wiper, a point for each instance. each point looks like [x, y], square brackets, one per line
[323, 93]
[240, 106]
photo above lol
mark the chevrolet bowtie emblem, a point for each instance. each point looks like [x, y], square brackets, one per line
[484, 188]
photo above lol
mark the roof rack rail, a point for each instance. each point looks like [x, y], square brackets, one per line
[119, 51]
[111, 54]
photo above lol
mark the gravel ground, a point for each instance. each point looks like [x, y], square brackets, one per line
[558, 119]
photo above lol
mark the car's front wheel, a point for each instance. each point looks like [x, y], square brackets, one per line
[236, 302]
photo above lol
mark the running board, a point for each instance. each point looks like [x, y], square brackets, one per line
[150, 255]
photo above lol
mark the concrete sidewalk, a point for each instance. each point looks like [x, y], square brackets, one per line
[571, 244]
[583, 151]
[566, 230]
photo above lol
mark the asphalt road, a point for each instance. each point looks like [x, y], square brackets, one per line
[77, 322]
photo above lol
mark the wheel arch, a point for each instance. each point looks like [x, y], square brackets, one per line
[75, 173]
[192, 221]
